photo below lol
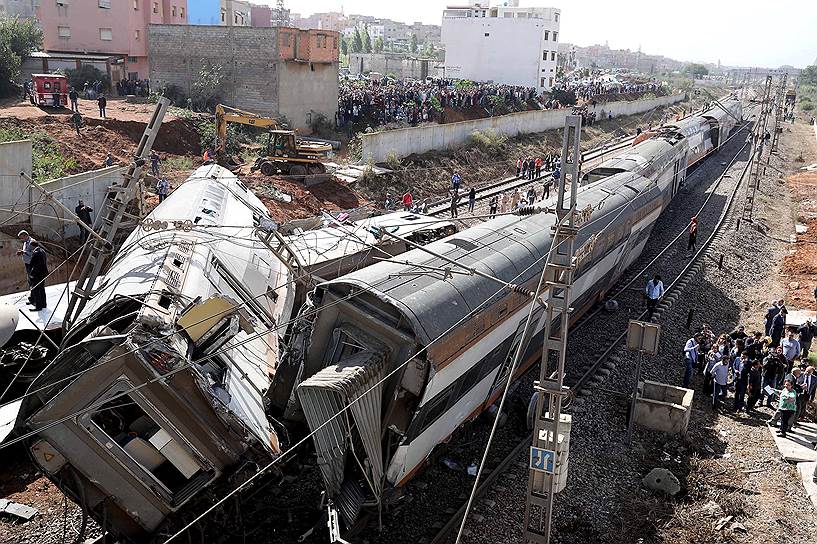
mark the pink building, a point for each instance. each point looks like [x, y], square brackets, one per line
[115, 28]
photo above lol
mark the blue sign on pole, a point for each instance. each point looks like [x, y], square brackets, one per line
[542, 460]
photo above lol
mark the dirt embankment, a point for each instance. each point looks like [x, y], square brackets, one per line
[799, 270]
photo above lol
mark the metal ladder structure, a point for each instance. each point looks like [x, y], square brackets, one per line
[757, 151]
[779, 101]
[559, 269]
[114, 217]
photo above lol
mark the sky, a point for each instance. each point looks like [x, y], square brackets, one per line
[736, 32]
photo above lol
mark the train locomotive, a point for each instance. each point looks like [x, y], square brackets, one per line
[191, 365]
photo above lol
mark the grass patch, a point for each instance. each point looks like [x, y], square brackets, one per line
[47, 160]
[178, 163]
[488, 140]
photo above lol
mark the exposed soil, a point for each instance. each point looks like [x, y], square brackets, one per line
[799, 270]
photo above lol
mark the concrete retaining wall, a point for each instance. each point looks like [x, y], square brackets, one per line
[49, 221]
[15, 157]
[402, 142]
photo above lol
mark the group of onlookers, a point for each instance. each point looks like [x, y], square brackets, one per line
[411, 101]
[771, 365]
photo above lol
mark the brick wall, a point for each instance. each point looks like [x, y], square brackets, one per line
[247, 55]
[256, 79]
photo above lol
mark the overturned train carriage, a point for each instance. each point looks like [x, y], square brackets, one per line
[435, 343]
[159, 389]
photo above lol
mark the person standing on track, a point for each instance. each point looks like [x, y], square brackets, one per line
[690, 358]
[455, 181]
[654, 292]
[472, 199]
[693, 233]
[504, 202]
[455, 198]
[492, 205]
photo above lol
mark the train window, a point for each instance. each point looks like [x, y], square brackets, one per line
[502, 376]
[133, 434]
[469, 380]
[434, 409]
[343, 346]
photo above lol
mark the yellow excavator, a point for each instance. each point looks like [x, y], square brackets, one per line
[284, 153]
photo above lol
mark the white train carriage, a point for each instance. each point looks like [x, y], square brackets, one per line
[155, 420]
[372, 321]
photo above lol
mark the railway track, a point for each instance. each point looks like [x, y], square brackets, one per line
[497, 187]
[583, 378]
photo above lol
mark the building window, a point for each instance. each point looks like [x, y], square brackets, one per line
[555, 36]
[181, 13]
[551, 82]
[155, 7]
[547, 35]
[556, 16]
[544, 55]
[136, 5]
[487, 34]
[105, 34]
[542, 84]
[135, 34]
[321, 39]
[105, 4]
[553, 55]
[173, 11]
[133, 60]
[64, 31]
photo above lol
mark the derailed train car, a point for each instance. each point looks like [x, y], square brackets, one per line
[177, 380]
[435, 346]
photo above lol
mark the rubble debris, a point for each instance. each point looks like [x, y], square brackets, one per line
[661, 479]
[17, 509]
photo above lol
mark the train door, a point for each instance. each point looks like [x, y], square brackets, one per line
[507, 364]
[677, 176]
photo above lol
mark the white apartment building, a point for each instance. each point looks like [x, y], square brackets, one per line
[502, 44]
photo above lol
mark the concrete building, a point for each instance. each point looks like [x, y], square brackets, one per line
[400, 65]
[273, 71]
[18, 8]
[111, 28]
[236, 13]
[502, 44]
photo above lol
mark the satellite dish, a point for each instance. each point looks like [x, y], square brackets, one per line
[9, 315]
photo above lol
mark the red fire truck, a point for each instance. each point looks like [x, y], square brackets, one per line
[49, 90]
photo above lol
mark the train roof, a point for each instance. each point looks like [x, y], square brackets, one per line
[638, 156]
[334, 242]
[510, 248]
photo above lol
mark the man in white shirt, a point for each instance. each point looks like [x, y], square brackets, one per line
[720, 377]
[654, 292]
[791, 348]
[690, 358]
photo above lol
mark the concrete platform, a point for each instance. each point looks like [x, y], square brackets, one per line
[806, 471]
[798, 446]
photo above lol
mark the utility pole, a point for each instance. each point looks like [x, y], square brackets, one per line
[551, 431]
[758, 132]
[114, 216]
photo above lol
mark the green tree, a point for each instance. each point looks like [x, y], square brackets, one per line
[809, 76]
[357, 42]
[697, 71]
[367, 40]
[414, 43]
[428, 50]
[344, 46]
[208, 85]
[18, 39]
[378, 45]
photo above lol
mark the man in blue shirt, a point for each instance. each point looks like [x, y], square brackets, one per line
[654, 292]
[455, 181]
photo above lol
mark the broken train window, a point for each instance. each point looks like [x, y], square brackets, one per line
[136, 436]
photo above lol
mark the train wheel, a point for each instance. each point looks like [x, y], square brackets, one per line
[268, 168]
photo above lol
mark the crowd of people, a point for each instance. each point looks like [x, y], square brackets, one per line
[589, 89]
[768, 366]
[387, 100]
[137, 87]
